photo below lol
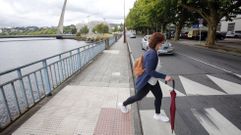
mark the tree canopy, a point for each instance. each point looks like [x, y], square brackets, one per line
[155, 15]
[71, 29]
[101, 28]
[213, 11]
[150, 15]
[84, 29]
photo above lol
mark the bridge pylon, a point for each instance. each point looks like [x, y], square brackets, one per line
[60, 29]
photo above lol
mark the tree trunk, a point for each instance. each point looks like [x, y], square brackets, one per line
[212, 20]
[178, 31]
[162, 29]
[180, 24]
[212, 27]
[211, 35]
[156, 29]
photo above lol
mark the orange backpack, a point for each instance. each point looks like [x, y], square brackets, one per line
[138, 66]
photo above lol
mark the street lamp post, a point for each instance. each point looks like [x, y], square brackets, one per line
[124, 25]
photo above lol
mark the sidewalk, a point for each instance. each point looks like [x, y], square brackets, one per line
[88, 105]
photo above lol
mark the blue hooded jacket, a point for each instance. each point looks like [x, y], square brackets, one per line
[149, 63]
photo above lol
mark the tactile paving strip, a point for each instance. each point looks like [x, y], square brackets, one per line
[113, 122]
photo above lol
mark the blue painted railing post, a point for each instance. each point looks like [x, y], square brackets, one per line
[79, 61]
[61, 68]
[107, 44]
[22, 86]
[46, 78]
[71, 62]
[6, 103]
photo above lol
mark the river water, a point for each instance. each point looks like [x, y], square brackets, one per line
[20, 51]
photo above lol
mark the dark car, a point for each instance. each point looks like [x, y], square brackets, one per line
[184, 35]
[204, 36]
[220, 36]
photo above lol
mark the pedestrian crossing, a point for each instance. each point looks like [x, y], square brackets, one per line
[212, 121]
[194, 88]
[166, 90]
[201, 108]
[151, 126]
[238, 75]
[227, 86]
[215, 123]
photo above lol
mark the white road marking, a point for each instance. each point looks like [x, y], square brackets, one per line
[154, 127]
[166, 91]
[195, 88]
[227, 86]
[215, 123]
[211, 65]
[238, 75]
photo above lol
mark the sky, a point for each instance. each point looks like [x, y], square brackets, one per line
[40, 13]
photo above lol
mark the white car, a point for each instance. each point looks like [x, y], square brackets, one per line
[234, 34]
[166, 47]
[132, 35]
[145, 42]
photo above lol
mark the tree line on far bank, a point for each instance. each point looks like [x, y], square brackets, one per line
[156, 15]
[33, 30]
[99, 29]
[70, 29]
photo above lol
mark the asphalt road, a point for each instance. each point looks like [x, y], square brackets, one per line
[208, 86]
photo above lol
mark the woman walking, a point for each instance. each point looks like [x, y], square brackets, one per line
[148, 81]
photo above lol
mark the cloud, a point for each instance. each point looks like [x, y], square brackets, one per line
[47, 12]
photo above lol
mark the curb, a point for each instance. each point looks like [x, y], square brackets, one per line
[136, 121]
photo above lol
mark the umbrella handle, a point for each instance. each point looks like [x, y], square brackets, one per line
[173, 84]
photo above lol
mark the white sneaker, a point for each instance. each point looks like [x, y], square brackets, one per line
[161, 117]
[123, 108]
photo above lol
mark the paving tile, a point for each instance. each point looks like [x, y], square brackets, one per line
[113, 122]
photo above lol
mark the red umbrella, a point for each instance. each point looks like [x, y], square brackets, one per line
[173, 106]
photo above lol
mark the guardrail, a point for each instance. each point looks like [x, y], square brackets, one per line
[25, 86]
[112, 40]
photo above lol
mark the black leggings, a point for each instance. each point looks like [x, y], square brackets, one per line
[156, 90]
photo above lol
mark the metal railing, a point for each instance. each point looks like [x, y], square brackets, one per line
[26, 85]
[112, 40]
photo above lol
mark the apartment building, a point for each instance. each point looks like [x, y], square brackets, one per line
[232, 26]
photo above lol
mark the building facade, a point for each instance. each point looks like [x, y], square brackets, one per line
[233, 26]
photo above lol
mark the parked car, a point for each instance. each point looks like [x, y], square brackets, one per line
[166, 47]
[144, 42]
[195, 34]
[132, 35]
[235, 34]
[220, 36]
[184, 35]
